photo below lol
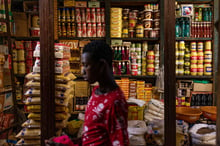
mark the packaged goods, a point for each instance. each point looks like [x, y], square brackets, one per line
[65, 94]
[33, 84]
[33, 75]
[34, 108]
[34, 116]
[29, 133]
[31, 123]
[32, 92]
[65, 78]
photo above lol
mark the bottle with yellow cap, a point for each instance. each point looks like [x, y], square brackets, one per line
[193, 69]
[200, 69]
[207, 69]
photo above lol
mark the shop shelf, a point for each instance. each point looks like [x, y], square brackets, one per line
[26, 38]
[135, 77]
[5, 90]
[82, 38]
[194, 77]
[194, 1]
[193, 39]
[3, 20]
[20, 75]
[136, 39]
[3, 34]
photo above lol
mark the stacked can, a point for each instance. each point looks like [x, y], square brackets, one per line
[157, 58]
[187, 60]
[134, 65]
[181, 57]
[144, 58]
[133, 17]
[21, 69]
[29, 55]
[200, 59]
[125, 16]
[150, 62]
[116, 22]
[208, 58]
[177, 56]
[193, 59]
[125, 87]
[151, 20]
[138, 51]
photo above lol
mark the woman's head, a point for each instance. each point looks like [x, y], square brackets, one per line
[96, 60]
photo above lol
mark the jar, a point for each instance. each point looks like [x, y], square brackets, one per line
[150, 69]
[35, 21]
[156, 14]
[150, 57]
[200, 69]
[193, 69]
[156, 23]
[148, 14]
[147, 32]
[148, 23]
[15, 55]
[139, 31]
[208, 45]
[207, 69]
[200, 57]
[193, 57]
[208, 56]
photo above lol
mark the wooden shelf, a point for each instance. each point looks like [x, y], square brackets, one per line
[193, 39]
[81, 38]
[135, 77]
[77, 112]
[5, 90]
[3, 34]
[136, 39]
[195, 1]
[3, 20]
[32, 13]
[20, 75]
[26, 38]
[194, 77]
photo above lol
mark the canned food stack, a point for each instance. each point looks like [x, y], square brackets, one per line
[193, 59]
[133, 18]
[151, 20]
[144, 58]
[29, 46]
[187, 60]
[150, 62]
[157, 58]
[35, 26]
[116, 22]
[208, 58]
[125, 22]
[135, 52]
[200, 54]
[177, 56]
[148, 92]
[181, 58]
[19, 58]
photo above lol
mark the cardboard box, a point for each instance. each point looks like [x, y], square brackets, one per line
[202, 87]
[21, 24]
[81, 4]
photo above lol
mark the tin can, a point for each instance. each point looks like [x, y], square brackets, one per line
[148, 23]
[139, 31]
[29, 54]
[134, 72]
[89, 30]
[208, 45]
[156, 14]
[88, 15]
[93, 29]
[29, 62]
[21, 67]
[150, 69]
[147, 32]
[103, 15]
[93, 15]
[84, 33]
[21, 55]
[79, 30]
[99, 30]
[156, 23]
[148, 14]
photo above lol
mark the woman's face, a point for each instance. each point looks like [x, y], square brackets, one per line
[90, 70]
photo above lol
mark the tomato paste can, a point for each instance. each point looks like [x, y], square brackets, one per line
[84, 33]
[79, 30]
[99, 30]
[89, 30]
[93, 29]
[102, 15]
[93, 15]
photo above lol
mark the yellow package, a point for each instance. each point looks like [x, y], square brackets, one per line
[73, 126]
[34, 108]
[61, 124]
[33, 84]
[61, 109]
[61, 116]
[34, 116]
[33, 76]
[65, 94]
[32, 100]
[65, 78]
[63, 102]
[31, 123]
[29, 133]
[32, 92]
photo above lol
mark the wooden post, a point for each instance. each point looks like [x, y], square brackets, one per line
[46, 9]
[169, 73]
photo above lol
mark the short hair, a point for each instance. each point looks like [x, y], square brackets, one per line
[99, 50]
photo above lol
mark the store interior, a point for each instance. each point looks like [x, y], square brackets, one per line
[165, 60]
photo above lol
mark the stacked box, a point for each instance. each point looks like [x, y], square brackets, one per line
[82, 89]
[148, 93]
[125, 87]
[133, 89]
[140, 90]
[116, 22]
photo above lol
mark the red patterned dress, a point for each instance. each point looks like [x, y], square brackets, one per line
[106, 120]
